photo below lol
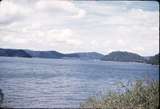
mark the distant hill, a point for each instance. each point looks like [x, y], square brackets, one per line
[86, 55]
[124, 57]
[55, 54]
[14, 53]
[45, 54]
[153, 59]
[48, 54]
[113, 56]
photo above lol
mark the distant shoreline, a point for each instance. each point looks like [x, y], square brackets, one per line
[118, 56]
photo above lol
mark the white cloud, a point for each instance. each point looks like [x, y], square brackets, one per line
[70, 26]
[11, 12]
[81, 13]
[57, 6]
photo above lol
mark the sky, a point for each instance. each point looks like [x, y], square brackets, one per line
[80, 26]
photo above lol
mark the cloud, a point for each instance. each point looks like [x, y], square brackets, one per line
[125, 29]
[11, 12]
[60, 6]
[27, 24]
[48, 39]
[71, 26]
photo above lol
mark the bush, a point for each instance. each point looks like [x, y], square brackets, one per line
[141, 95]
[1, 97]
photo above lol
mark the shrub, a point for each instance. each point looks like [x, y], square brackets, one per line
[1, 97]
[141, 95]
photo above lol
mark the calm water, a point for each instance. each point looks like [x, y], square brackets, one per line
[63, 83]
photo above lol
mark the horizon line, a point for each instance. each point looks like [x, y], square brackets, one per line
[77, 51]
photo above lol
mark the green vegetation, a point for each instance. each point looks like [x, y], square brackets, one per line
[154, 59]
[141, 95]
[1, 97]
[123, 56]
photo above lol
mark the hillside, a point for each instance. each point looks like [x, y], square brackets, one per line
[124, 57]
[48, 54]
[113, 56]
[153, 59]
[14, 53]
[86, 55]
[45, 54]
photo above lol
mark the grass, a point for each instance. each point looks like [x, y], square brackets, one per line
[141, 95]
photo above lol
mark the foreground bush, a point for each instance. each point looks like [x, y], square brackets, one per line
[141, 95]
[1, 97]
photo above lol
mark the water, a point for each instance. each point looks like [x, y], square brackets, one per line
[63, 83]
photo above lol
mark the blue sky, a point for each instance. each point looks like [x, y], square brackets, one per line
[80, 26]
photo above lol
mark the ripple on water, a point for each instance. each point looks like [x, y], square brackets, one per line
[45, 83]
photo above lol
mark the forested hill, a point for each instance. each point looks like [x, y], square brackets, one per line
[153, 59]
[124, 57]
